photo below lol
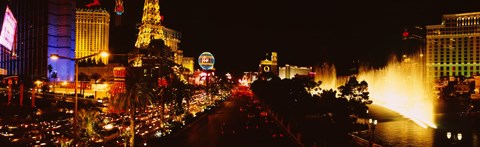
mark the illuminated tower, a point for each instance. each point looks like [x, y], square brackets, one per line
[413, 41]
[92, 33]
[151, 28]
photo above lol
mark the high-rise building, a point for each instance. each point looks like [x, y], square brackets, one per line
[92, 33]
[151, 28]
[413, 41]
[44, 27]
[289, 72]
[453, 47]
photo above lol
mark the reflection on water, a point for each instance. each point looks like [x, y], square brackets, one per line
[403, 133]
[395, 130]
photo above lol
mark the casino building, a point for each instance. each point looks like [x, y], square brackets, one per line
[453, 47]
[269, 64]
[44, 27]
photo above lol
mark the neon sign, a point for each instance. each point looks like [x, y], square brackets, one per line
[7, 35]
[119, 7]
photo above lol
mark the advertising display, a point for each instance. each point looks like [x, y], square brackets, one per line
[206, 60]
[7, 34]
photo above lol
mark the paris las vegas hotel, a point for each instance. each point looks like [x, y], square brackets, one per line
[453, 47]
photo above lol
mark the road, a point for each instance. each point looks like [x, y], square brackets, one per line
[237, 123]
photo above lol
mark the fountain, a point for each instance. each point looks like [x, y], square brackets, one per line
[400, 86]
[328, 75]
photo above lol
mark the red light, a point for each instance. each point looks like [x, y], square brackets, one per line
[405, 34]
[281, 135]
[274, 135]
[94, 3]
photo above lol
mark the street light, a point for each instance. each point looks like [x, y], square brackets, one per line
[55, 57]
[372, 123]
[454, 138]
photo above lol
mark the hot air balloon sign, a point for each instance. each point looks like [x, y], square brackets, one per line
[206, 61]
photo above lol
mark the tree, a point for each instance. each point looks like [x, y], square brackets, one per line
[100, 63]
[54, 77]
[90, 62]
[90, 124]
[357, 95]
[82, 77]
[96, 77]
[50, 68]
[139, 92]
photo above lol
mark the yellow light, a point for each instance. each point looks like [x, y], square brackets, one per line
[104, 54]
[404, 88]
[38, 82]
[108, 127]
[54, 56]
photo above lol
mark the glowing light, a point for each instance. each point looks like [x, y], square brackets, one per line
[400, 86]
[403, 87]
[206, 60]
[108, 127]
[104, 54]
[7, 36]
[119, 7]
[54, 56]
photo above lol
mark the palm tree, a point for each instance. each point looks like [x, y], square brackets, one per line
[95, 76]
[90, 123]
[139, 92]
[54, 76]
[82, 77]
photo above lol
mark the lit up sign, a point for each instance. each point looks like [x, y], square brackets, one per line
[266, 68]
[100, 87]
[8, 30]
[206, 60]
[119, 7]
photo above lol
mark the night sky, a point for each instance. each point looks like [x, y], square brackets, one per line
[240, 33]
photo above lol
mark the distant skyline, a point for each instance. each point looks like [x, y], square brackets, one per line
[240, 33]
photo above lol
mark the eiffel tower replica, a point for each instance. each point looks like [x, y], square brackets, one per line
[151, 29]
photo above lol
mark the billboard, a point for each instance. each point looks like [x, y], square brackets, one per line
[9, 26]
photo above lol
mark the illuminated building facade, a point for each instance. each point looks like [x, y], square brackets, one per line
[92, 33]
[289, 72]
[269, 64]
[151, 28]
[248, 78]
[44, 27]
[453, 47]
[189, 63]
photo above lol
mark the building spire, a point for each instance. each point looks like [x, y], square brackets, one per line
[151, 27]
[151, 12]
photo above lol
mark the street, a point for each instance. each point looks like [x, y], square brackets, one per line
[239, 122]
